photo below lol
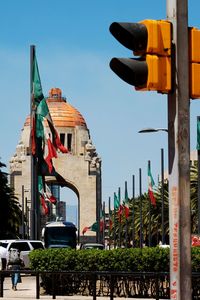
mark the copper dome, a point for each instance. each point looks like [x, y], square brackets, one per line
[63, 114]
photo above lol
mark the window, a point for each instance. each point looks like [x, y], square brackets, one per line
[62, 138]
[21, 246]
[37, 245]
[69, 141]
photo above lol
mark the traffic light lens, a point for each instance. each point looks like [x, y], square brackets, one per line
[132, 71]
[131, 35]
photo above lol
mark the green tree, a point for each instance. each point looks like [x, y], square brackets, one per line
[10, 212]
[155, 213]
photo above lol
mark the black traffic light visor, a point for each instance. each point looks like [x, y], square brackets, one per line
[132, 71]
[133, 36]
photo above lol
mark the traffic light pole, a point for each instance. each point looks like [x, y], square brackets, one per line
[179, 155]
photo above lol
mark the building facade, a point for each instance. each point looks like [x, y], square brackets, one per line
[80, 167]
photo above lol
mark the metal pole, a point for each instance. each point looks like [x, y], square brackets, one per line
[141, 220]
[23, 235]
[179, 155]
[149, 168]
[98, 201]
[120, 217]
[27, 218]
[126, 233]
[33, 158]
[133, 212]
[114, 225]
[162, 196]
[109, 228]
[104, 222]
[198, 153]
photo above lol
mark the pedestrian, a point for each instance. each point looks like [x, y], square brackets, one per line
[15, 263]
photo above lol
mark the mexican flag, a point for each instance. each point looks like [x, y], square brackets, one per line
[37, 96]
[93, 227]
[45, 195]
[117, 206]
[150, 187]
[48, 136]
[102, 217]
[116, 202]
[126, 204]
[44, 136]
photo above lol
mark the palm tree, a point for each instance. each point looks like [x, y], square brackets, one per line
[10, 212]
[156, 213]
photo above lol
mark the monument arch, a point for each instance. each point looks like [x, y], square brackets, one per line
[81, 167]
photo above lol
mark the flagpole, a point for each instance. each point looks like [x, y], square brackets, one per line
[109, 222]
[133, 212]
[141, 220]
[163, 207]
[120, 227]
[149, 168]
[33, 221]
[103, 229]
[114, 224]
[126, 241]
[198, 167]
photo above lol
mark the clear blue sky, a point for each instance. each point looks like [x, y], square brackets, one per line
[74, 48]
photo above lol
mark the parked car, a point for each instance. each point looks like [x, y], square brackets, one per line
[92, 246]
[24, 246]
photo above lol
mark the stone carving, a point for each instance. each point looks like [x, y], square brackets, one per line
[18, 157]
[90, 150]
[92, 156]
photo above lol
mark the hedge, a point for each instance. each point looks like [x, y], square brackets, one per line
[134, 259]
[147, 259]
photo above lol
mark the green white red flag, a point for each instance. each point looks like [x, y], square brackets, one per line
[93, 227]
[48, 136]
[45, 141]
[126, 204]
[116, 202]
[44, 135]
[45, 195]
[151, 184]
[117, 206]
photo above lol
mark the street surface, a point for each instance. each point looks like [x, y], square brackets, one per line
[27, 290]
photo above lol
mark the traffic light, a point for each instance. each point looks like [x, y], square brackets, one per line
[194, 62]
[151, 41]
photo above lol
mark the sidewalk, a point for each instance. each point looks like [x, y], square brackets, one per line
[27, 290]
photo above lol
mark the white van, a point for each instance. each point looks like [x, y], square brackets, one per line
[24, 246]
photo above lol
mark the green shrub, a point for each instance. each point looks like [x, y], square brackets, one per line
[153, 259]
[134, 259]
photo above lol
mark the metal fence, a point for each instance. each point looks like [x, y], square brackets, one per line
[108, 284]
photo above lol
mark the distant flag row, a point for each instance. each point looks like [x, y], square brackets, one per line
[44, 143]
[119, 208]
[123, 209]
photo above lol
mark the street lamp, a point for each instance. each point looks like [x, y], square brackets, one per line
[149, 130]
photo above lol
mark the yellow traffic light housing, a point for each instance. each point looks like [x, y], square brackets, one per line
[159, 74]
[194, 62]
[151, 40]
[159, 37]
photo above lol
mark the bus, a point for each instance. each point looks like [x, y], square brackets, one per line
[59, 234]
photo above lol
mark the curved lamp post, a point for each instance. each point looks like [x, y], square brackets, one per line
[149, 130]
